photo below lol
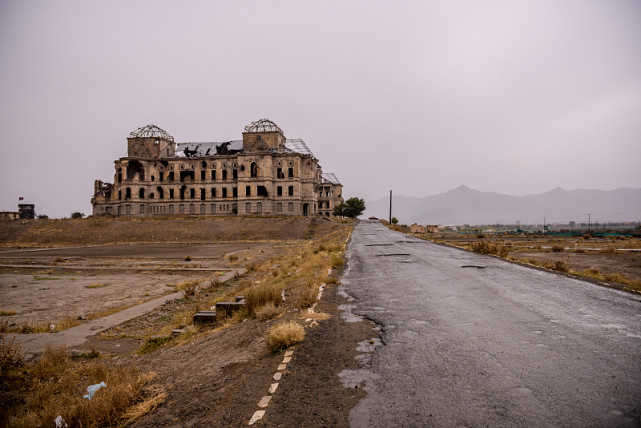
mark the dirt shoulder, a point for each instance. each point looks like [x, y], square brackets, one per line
[217, 380]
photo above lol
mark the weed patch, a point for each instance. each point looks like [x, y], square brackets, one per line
[284, 335]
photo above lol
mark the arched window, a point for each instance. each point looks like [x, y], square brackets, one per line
[141, 193]
[259, 207]
[202, 208]
[290, 207]
[254, 169]
[279, 207]
[248, 207]
[192, 209]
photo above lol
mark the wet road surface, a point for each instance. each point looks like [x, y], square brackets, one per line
[472, 340]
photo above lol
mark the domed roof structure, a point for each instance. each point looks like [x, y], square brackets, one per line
[151, 131]
[263, 125]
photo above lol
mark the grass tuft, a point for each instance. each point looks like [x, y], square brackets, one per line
[284, 335]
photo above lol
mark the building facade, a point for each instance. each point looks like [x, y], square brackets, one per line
[262, 174]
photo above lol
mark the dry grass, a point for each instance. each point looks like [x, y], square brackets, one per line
[11, 355]
[307, 295]
[262, 294]
[268, 311]
[4, 313]
[55, 385]
[485, 246]
[557, 265]
[284, 335]
[96, 285]
[556, 248]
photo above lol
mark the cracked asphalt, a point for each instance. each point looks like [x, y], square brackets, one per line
[473, 340]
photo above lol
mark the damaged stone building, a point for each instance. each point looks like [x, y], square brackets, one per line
[262, 174]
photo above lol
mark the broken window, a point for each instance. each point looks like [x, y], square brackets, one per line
[290, 172]
[119, 194]
[248, 190]
[161, 192]
[128, 193]
[162, 176]
[234, 174]
[192, 193]
[182, 192]
[119, 177]
[170, 176]
[186, 175]
[254, 169]
[224, 192]
[153, 178]
[202, 194]
[279, 173]
[290, 190]
[135, 167]
[224, 174]
[213, 174]
[151, 195]
[141, 193]
[234, 192]
[171, 193]
[213, 192]
[279, 190]
[202, 174]
[262, 191]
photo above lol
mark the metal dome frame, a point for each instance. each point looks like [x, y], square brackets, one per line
[263, 125]
[151, 131]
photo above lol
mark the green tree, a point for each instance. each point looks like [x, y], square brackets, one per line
[338, 210]
[394, 220]
[353, 207]
[77, 215]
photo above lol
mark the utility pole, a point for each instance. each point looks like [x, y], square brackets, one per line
[390, 207]
[543, 224]
[589, 222]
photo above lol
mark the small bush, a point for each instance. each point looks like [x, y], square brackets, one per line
[187, 258]
[11, 354]
[485, 246]
[556, 248]
[268, 311]
[307, 296]
[263, 294]
[284, 335]
[336, 260]
[557, 265]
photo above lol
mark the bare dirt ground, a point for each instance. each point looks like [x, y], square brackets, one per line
[49, 285]
[609, 255]
[214, 375]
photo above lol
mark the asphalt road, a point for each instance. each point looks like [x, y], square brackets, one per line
[494, 345]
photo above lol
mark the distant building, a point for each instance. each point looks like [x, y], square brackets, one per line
[27, 211]
[9, 215]
[262, 174]
[429, 228]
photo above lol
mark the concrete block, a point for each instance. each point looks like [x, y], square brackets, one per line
[205, 317]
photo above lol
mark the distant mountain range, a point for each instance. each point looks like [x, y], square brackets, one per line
[468, 206]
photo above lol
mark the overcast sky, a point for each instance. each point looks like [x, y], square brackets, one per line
[420, 97]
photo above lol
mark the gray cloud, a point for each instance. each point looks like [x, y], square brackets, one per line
[419, 97]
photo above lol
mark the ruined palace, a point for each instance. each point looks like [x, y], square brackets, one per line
[262, 174]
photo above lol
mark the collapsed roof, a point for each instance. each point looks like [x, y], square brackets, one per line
[151, 131]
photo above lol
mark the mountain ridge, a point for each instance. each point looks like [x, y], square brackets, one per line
[465, 205]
